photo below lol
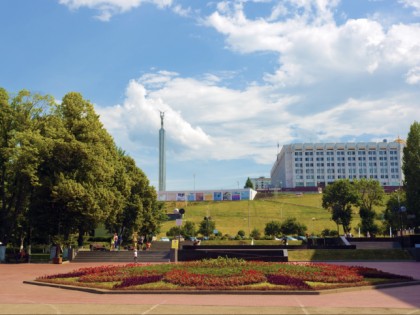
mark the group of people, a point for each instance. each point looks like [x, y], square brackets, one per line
[116, 242]
[139, 243]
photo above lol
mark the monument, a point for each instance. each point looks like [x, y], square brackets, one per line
[162, 155]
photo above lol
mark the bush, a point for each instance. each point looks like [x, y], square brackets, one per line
[255, 234]
[328, 232]
[290, 226]
[241, 233]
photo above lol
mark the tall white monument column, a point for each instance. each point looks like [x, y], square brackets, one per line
[162, 155]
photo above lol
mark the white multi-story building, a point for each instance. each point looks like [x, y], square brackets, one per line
[318, 164]
[261, 183]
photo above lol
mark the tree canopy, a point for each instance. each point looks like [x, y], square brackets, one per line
[61, 172]
[338, 197]
[369, 194]
[249, 184]
[411, 169]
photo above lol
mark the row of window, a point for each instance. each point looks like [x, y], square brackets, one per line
[360, 152]
[339, 158]
[343, 170]
[322, 177]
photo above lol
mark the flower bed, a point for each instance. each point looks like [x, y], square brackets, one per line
[224, 274]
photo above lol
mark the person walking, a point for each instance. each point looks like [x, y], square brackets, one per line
[115, 241]
[135, 255]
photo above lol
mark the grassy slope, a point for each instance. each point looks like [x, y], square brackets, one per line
[232, 216]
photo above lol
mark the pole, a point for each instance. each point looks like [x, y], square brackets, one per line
[249, 229]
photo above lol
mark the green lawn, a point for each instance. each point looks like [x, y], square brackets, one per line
[232, 216]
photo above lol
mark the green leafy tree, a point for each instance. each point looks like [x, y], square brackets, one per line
[328, 232]
[207, 226]
[291, 226]
[338, 197]
[272, 229]
[255, 234]
[140, 210]
[78, 172]
[20, 153]
[411, 169]
[174, 231]
[241, 233]
[370, 193]
[249, 184]
[188, 229]
[393, 218]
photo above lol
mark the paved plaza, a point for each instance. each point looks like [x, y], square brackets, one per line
[19, 298]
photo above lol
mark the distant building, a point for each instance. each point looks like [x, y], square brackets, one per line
[307, 166]
[261, 183]
[208, 195]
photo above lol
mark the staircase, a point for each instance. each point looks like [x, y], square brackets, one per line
[376, 245]
[158, 253]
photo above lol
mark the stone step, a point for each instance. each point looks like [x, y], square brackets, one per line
[376, 245]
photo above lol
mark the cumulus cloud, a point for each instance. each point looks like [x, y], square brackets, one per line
[333, 82]
[108, 8]
[413, 75]
[415, 4]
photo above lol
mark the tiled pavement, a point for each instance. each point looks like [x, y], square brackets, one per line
[19, 298]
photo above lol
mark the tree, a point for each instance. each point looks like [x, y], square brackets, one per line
[249, 184]
[393, 217]
[188, 229]
[174, 231]
[61, 172]
[78, 171]
[20, 155]
[272, 229]
[411, 169]
[370, 193]
[140, 210]
[338, 198]
[255, 234]
[207, 226]
[241, 234]
[291, 226]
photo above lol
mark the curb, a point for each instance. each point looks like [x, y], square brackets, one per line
[226, 292]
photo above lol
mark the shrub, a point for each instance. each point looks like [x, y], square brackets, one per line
[255, 234]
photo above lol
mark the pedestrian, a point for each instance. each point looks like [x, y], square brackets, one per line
[115, 241]
[141, 241]
[119, 241]
[135, 255]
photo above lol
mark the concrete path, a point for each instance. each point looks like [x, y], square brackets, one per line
[19, 298]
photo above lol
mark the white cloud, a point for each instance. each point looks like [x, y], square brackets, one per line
[333, 83]
[415, 4]
[313, 48]
[202, 120]
[413, 75]
[108, 8]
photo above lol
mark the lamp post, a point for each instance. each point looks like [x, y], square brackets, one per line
[313, 225]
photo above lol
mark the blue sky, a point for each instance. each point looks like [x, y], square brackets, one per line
[235, 78]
